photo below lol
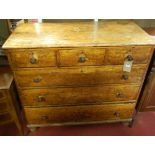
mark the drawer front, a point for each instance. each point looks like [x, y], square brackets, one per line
[83, 57]
[105, 56]
[33, 58]
[116, 56]
[79, 113]
[2, 94]
[3, 105]
[78, 76]
[78, 95]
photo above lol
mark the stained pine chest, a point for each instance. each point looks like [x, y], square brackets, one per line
[78, 73]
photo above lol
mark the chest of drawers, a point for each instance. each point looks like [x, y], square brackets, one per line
[72, 73]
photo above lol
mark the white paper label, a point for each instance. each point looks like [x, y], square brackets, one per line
[127, 66]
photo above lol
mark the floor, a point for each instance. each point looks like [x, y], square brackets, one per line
[144, 125]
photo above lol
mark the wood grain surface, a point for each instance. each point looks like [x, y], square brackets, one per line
[24, 58]
[79, 95]
[72, 72]
[78, 34]
[70, 114]
[103, 56]
[49, 77]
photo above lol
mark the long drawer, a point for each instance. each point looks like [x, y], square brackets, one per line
[47, 77]
[78, 95]
[77, 114]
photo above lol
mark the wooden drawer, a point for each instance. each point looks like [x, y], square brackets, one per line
[75, 114]
[2, 94]
[3, 105]
[82, 57]
[116, 56]
[103, 56]
[33, 58]
[78, 95]
[47, 77]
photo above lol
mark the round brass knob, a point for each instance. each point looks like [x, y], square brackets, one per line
[117, 114]
[129, 58]
[44, 117]
[37, 80]
[119, 94]
[33, 60]
[82, 59]
[41, 99]
[125, 77]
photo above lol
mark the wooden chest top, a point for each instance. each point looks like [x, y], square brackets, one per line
[78, 34]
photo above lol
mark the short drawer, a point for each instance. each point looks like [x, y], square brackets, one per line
[3, 105]
[103, 56]
[81, 57]
[78, 95]
[75, 114]
[33, 58]
[139, 55]
[47, 77]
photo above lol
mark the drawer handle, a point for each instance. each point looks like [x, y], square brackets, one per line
[82, 59]
[33, 60]
[129, 58]
[117, 114]
[119, 94]
[125, 77]
[37, 80]
[44, 117]
[41, 99]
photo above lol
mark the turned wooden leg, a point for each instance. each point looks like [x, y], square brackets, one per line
[133, 120]
[130, 125]
[126, 123]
